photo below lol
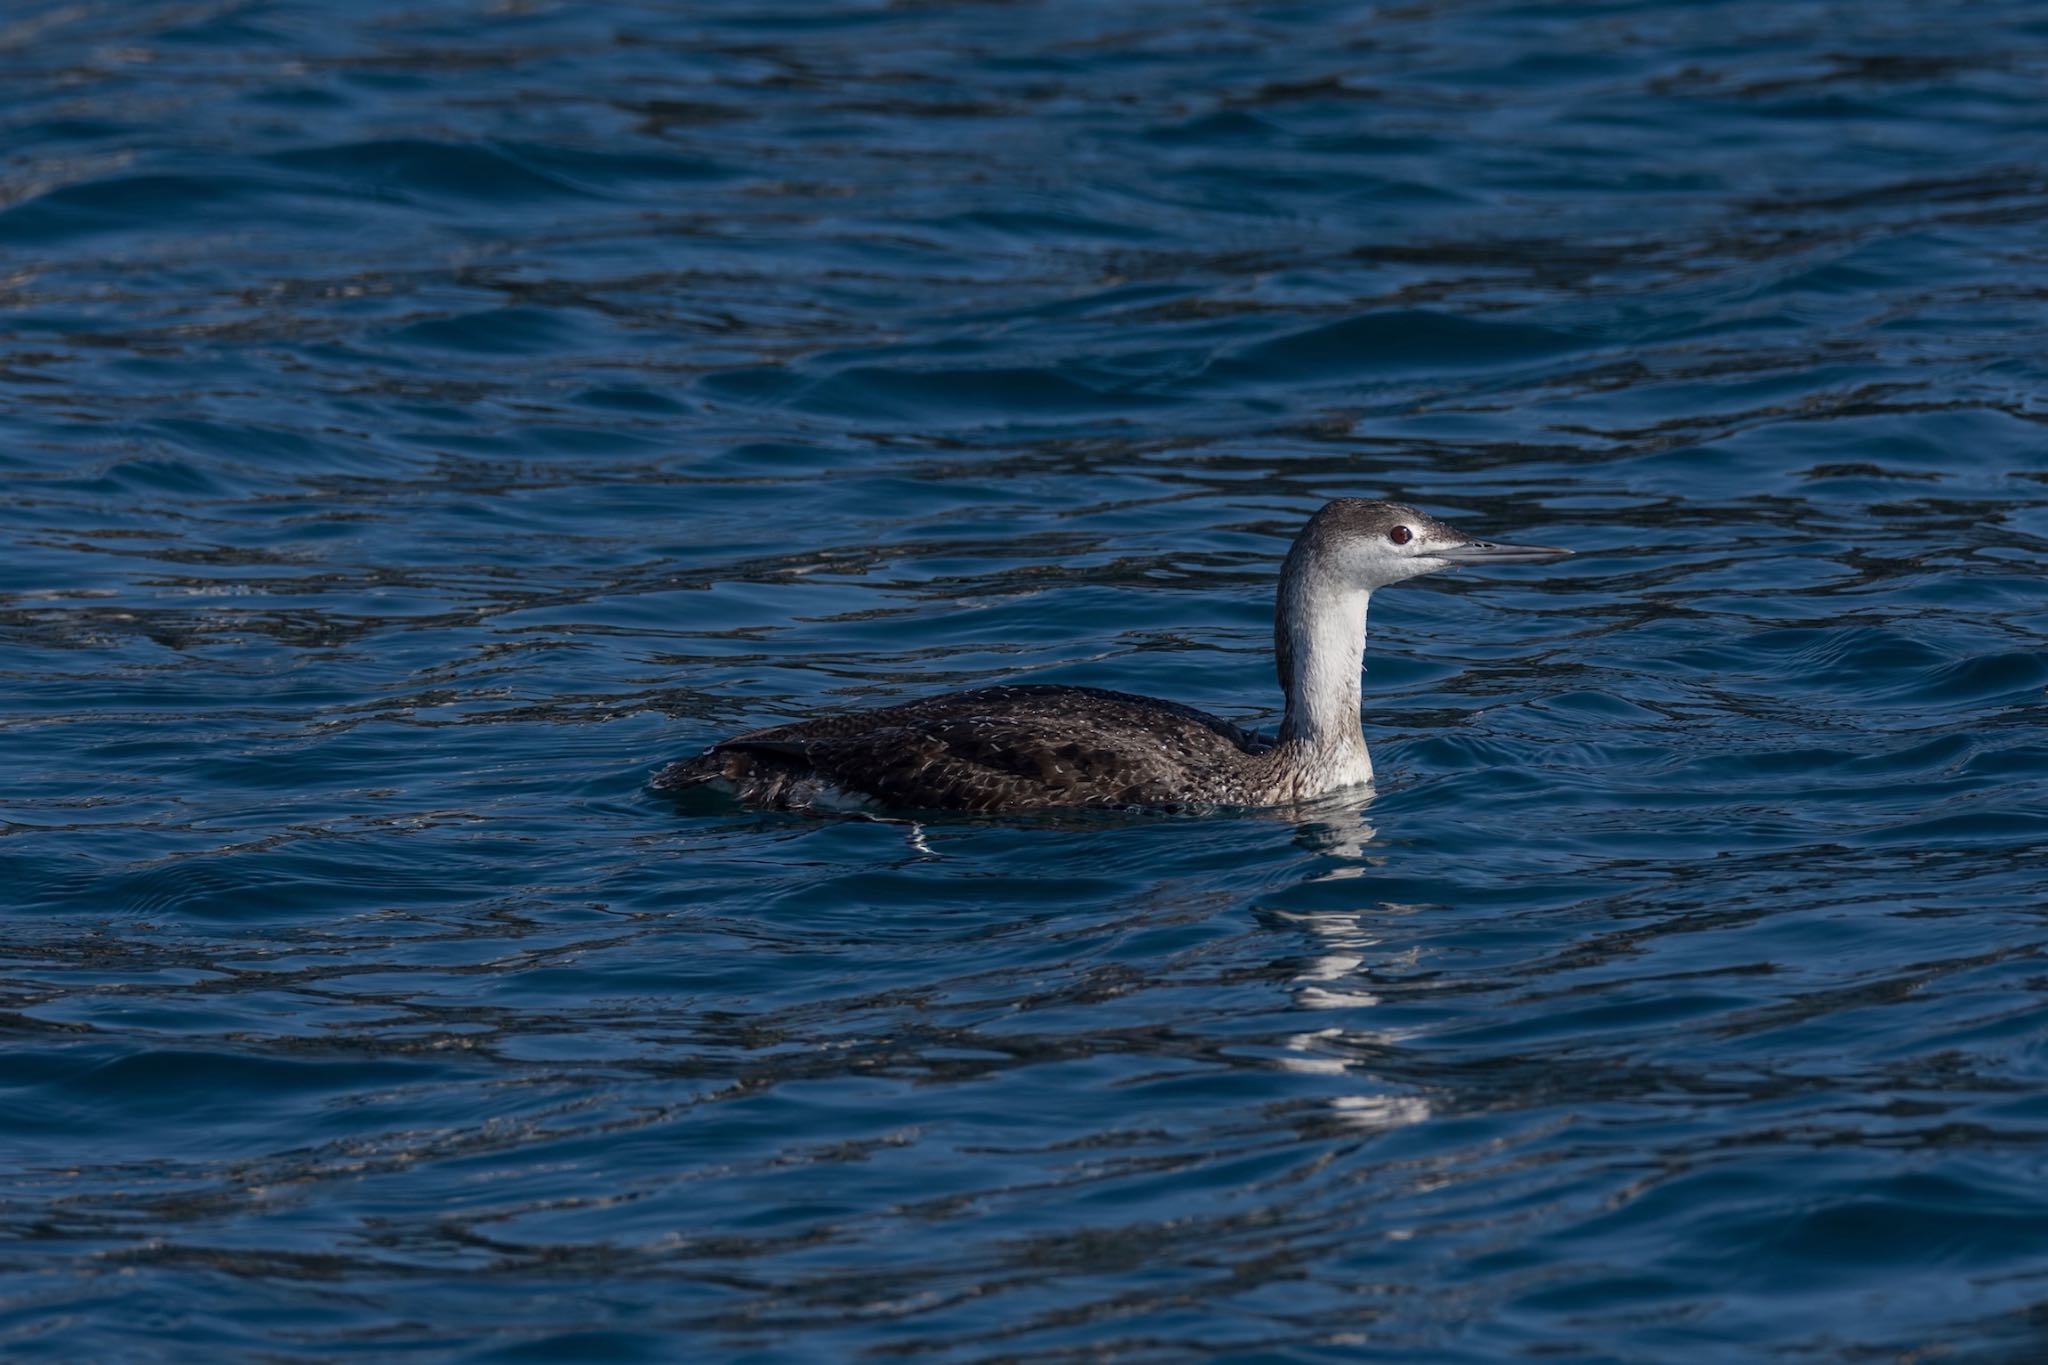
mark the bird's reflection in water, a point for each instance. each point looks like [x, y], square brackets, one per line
[1343, 952]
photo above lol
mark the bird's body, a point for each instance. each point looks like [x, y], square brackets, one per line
[1042, 747]
[1016, 748]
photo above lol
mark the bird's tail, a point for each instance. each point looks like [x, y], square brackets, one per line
[690, 772]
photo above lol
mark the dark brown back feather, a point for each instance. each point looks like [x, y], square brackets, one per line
[997, 748]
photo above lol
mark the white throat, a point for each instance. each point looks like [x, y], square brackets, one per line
[1324, 625]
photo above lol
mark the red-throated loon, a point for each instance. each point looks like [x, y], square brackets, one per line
[1044, 747]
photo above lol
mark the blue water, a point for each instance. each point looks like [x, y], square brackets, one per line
[419, 420]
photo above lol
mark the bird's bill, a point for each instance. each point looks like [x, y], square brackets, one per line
[1487, 552]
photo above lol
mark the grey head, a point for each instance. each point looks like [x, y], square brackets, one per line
[1361, 544]
[1350, 547]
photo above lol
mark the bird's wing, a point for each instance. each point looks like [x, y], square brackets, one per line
[1006, 748]
[982, 762]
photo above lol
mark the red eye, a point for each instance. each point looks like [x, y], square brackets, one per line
[1400, 535]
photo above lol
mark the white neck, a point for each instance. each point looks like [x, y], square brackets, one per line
[1322, 623]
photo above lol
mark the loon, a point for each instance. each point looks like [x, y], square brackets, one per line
[1032, 746]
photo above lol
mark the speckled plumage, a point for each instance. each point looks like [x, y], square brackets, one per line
[991, 749]
[1043, 747]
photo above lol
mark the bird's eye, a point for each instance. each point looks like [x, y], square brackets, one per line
[1400, 535]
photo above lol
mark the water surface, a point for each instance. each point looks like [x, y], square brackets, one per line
[418, 421]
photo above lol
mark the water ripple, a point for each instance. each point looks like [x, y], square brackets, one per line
[425, 420]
